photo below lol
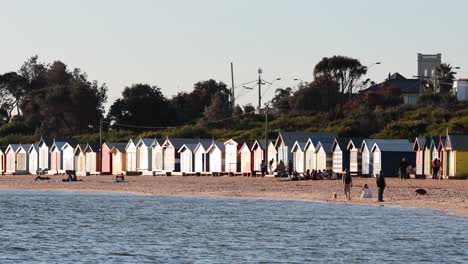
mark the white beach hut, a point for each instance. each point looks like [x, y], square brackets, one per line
[201, 156]
[324, 155]
[44, 154]
[216, 157]
[131, 156]
[247, 157]
[33, 160]
[10, 154]
[56, 157]
[187, 158]
[171, 155]
[298, 150]
[157, 164]
[232, 161]
[68, 156]
[80, 159]
[144, 155]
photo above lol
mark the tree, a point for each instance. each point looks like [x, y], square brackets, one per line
[141, 105]
[249, 109]
[190, 106]
[13, 88]
[344, 71]
[218, 111]
[445, 76]
[282, 99]
[315, 96]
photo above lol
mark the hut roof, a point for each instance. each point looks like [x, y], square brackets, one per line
[327, 146]
[179, 142]
[394, 145]
[289, 138]
[300, 145]
[119, 146]
[356, 142]
[458, 142]
[190, 147]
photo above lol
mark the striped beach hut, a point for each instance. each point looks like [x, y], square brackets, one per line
[80, 159]
[201, 156]
[427, 168]
[119, 161]
[131, 155]
[246, 157]
[443, 156]
[388, 153]
[341, 155]
[355, 157]
[456, 153]
[216, 156]
[144, 155]
[157, 163]
[298, 150]
[324, 155]
[33, 158]
[419, 146]
[232, 148]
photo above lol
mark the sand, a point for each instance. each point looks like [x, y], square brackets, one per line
[447, 195]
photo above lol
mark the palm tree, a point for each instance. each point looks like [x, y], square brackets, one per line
[282, 93]
[445, 76]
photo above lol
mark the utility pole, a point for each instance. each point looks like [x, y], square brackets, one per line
[260, 71]
[233, 98]
[267, 108]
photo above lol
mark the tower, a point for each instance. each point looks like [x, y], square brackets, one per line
[427, 64]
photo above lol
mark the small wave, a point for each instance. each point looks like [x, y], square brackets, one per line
[125, 254]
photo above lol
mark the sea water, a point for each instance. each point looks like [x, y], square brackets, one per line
[74, 227]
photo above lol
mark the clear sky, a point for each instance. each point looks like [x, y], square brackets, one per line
[175, 43]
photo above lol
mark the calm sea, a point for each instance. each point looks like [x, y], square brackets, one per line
[73, 227]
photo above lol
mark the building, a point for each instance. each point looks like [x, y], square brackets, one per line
[419, 147]
[355, 156]
[33, 161]
[56, 157]
[157, 163]
[68, 155]
[428, 63]
[456, 153]
[201, 156]
[187, 158]
[106, 162]
[233, 163]
[44, 154]
[460, 89]
[2, 158]
[258, 152]
[324, 155]
[341, 155]
[247, 157]
[144, 155]
[131, 155]
[119, 161]
[80, 159]
[388, 153]
[298, 150]
[93, 156]
[216, 156]
[171, 156]
[410, 89]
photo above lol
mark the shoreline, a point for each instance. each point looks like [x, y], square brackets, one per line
[449, 196]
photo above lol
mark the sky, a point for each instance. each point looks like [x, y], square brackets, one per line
[174, 44]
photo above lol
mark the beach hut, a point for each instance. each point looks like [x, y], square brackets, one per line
[44, 153]
[106, 161]
[427, 168]
[201, 156]
[366, 155]
[216, 156]
[68, 155]
[22, 160]
[187, 158]
[298, 150]
[80, 159]
[341, 155]
[10, 154]
[171, 156]
[324, 155]
[456, 151]
[93, 164]
[2, 158]
[56, 157]
[131, 156]
[388, 153]
[442, 156]
[247, 157]
[119, 162]
[144, 153]
[286, 140]
[272, 155]
[33, 158]
[419, 148]
[157, 163]
[258, 153]
[232, 160]
[355, 156]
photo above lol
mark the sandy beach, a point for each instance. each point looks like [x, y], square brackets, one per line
[448, 195]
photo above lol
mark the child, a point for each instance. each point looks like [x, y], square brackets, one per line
[366, 192]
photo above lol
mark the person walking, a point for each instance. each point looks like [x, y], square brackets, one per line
[263, 168]
[348, 183]
[290, 168]
[403, 168]
[435, 168]
[270, 164]
[381, 185]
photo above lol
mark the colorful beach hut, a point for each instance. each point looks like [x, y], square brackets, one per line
[419, 146]
[119, 161]
[106, 161]
[355, 157]
[56, 157]
[233, 162]
[388, 153]
[216, 155]
[33, 160]
[443, 156]
[201, 156]
[456, 153]
[246, 157]
[144, 153]
[131, 155]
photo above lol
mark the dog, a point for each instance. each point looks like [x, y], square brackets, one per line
[335, 195]
[421, 192]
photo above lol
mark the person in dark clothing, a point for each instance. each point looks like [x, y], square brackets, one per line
[307, 175]
[290, 168]
[348, 183]
[435, 168]
[381, 185]
[263, 167]
[403, 167]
